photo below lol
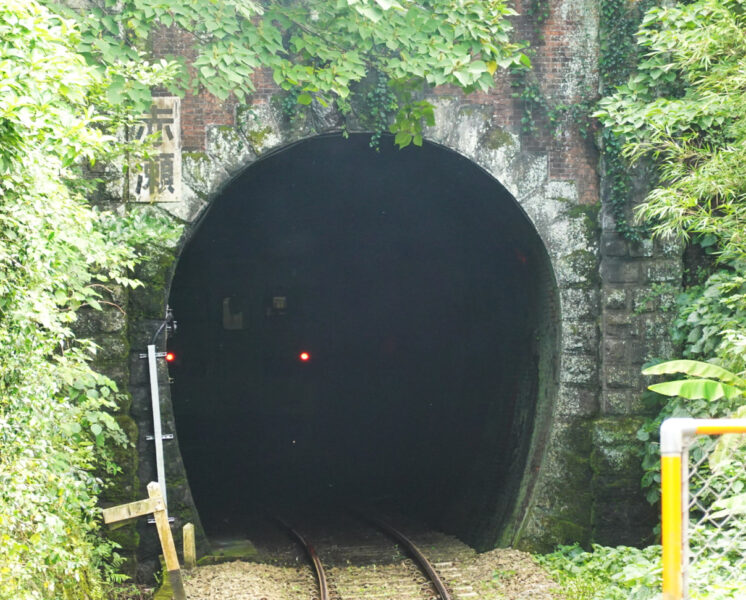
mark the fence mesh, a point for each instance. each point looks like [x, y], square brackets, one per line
[715, 555]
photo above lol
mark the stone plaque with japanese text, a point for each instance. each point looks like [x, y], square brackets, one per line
[159, 179]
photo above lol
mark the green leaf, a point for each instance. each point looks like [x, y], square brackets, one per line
[403, 139]
[692, 389]
[695, 368]
[370, 12]
[207, 71]
[387, 4]
[115, 92]
[734, 505]
[462, 77]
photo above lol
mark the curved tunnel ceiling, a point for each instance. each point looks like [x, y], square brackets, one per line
[423, 297]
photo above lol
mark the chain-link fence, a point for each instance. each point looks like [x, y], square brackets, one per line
[715, 548]
[704, 509]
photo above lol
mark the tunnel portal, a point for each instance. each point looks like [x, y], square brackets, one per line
[424, 302]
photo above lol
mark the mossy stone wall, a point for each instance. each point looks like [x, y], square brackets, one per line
[609, 296]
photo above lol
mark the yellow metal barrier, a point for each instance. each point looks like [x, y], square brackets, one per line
[677, 436]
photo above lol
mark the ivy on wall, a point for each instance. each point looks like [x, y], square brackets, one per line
[619, 20]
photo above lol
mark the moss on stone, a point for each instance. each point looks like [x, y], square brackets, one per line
[127, 537]
[195, 156]
[584, 263]
[616, 448]
[497, 138]
[165, 591]
[233, 550]
[196, 166]
[257, 137]
[111, 346]
[568, 532]
[616, 431]
[588, 213]
[149, 301]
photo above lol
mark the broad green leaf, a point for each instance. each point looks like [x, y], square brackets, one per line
[734, 505]
[695, 368]
[402, 139]
[370, 12]
[693, 389]
[387, 4]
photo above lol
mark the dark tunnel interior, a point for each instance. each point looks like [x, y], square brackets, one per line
[424, 300]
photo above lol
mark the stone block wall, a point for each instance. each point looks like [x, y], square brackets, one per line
[581, 481]
[108, 329]
[639, 286]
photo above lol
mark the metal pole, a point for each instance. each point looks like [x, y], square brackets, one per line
[675, 435]
[671, 526]
[157, 432]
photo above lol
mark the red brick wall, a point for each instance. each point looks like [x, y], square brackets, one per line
[570, 157]
[197, 110]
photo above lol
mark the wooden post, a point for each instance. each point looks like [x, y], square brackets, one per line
[167, 541]
[190, 551]
[125, 512]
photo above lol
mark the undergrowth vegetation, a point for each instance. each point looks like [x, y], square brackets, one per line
[58, 254]
[621, 573]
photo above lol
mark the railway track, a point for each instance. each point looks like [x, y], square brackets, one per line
[366, 558]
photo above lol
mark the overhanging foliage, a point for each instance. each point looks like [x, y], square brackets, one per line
[320, 51]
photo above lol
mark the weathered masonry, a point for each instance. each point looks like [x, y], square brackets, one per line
[475, 325]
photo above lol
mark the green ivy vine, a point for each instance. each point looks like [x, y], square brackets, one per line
[382, 104]
[539, 110]
[619, 21]
[374, 104]
[538, 11]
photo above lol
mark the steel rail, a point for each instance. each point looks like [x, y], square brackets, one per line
[317, 566]
[418, 556]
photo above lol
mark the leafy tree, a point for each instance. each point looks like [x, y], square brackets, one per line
[684, 109]
[318, 50]
[57, 255]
